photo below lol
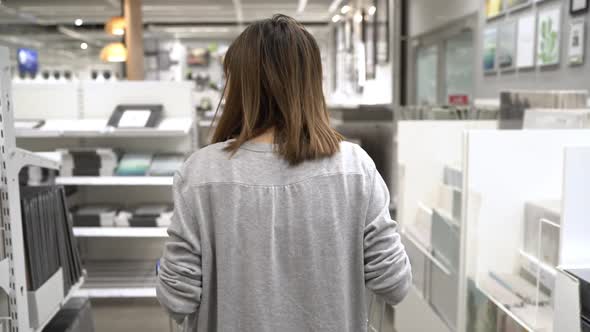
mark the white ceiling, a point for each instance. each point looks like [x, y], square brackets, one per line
[159, 11]
[48, 25]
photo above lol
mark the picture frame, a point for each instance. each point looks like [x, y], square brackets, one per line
[506, 46]
[577, 43]
[526, 37]
[382, 31]
[549, 37]
[578, 6]
[490, 45]
[494, 9]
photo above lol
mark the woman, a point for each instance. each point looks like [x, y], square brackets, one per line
[278, 225]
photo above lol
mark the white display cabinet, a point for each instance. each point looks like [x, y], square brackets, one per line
[20, 309]
[574, 249]
[430, 156]
[517, 225]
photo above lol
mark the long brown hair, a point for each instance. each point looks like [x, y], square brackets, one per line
[274, 81]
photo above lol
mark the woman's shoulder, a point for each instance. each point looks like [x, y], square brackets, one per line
[354, 158]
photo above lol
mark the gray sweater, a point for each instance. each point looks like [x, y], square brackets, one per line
[258, 245]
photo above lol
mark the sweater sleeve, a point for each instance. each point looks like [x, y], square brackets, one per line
[180, 276]
[387, 267]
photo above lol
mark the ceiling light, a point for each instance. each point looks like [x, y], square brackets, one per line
[372, 10]
[358, 17]
[301, 6]
[336, 18]
[78, 22]
[83, 46]
[114, 52]
[115, 26]
[345, 9]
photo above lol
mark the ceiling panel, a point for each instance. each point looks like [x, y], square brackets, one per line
[158, 11]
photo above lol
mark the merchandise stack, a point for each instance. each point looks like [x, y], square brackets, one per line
[513, 104]
[146, 215]
[49, 240]
[88, 162]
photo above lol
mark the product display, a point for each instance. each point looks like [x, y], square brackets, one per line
[148, 215]
[556, 119]
[134, 164]
[87, 162]
[514, 103]
[49, 241]
[165, 164]
[136, 116]
[94, 216]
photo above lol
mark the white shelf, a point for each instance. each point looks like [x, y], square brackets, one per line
[109, 293]
[114, 180]
[171, 127]
[133, 232]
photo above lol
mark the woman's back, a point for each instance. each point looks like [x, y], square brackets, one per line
[259, 245]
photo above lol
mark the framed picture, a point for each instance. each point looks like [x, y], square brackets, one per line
[513, 5]
[525, 47]
[576, 44]
[507, 45]
[548, 37]
[578, 6]
[382, 18]
[494, 8]
[490, 43]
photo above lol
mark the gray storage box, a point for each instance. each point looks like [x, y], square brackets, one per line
[445, 239]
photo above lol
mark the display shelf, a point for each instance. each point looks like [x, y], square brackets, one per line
[533, 169]
[114, 180]
[120, 279]
[139, 232]
[87, 128]
[123, 292]
[4, 275]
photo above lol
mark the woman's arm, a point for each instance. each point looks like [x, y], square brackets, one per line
[387, 268]
[180, 277]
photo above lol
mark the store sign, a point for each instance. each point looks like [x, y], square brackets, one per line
[458, 100]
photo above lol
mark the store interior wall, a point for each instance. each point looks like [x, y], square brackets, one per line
[558, 77]
[427, 15]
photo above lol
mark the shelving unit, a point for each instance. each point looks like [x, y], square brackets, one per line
[114, 180]
[27, 311]
[124, 232]
[425, 148]
[119, 261]
[171, 127]
[528, 165]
